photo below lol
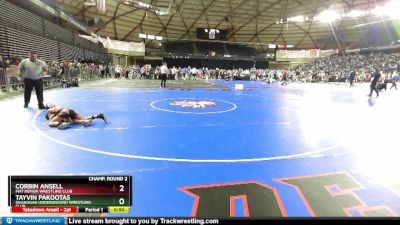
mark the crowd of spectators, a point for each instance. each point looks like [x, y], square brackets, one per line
[335, 68]
[186, 73]
[9, 70]
[58, 71]
[339, 67]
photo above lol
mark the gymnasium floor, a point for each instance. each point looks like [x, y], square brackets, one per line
[269, 150]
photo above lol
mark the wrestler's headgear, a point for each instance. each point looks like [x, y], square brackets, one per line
[64, 113]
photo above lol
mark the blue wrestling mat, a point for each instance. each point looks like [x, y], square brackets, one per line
[268, 150]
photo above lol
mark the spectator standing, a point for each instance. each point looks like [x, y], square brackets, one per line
[352, 77]
[117, 71]
[3, 77]
[194, 72]
[102, 70]
[12, 73]
[164, 72]
[108, 71]
[375, 79]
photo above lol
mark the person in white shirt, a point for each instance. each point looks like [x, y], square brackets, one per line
[117, 71]
[102, 70]
[194, 72]
[33, 69]
[173, 72]
[164, 72]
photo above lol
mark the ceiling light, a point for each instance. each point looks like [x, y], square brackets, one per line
[162, 11]
[390, 9]
[144, 5]
[296, 19]
[379, 11]
[355, 14]
[89, 3]
[328, 16]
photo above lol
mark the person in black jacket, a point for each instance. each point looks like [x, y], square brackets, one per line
[108, 71]
[375, 79]
[352, 77]
[3, 77]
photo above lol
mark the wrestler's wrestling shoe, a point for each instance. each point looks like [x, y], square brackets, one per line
[86, 123]
[49, 106]
[64, 125]
[103, 117]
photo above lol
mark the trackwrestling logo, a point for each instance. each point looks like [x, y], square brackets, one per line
[33, 220]
[193, 104]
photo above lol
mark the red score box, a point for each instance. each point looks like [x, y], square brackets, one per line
[44, 209]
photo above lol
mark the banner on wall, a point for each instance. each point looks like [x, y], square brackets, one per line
[120, 47]
[124, 47]
[282, 55]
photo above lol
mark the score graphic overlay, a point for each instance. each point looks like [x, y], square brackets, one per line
[70, 194]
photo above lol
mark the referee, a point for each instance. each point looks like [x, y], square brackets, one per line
[32, 69]
[164, 72]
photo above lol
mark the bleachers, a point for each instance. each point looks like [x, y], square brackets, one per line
[179, 48]
[54, 31]
[204, 48]
[3, 38]
[14, 14]
[19, 43]
[68, 52]
[240, 56]
[21, 31]
[239, 50]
